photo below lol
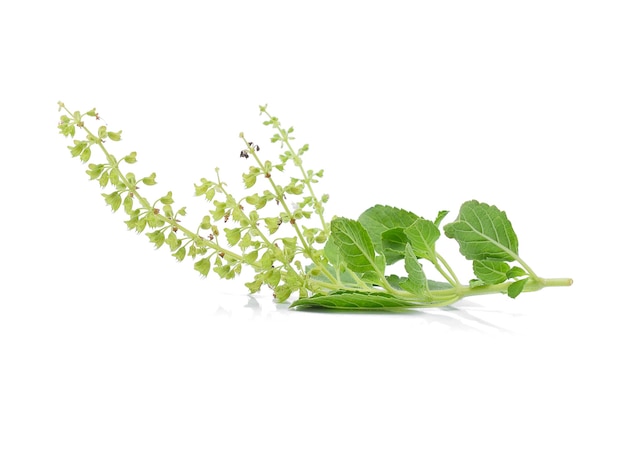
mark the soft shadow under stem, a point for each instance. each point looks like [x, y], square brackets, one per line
[457, 321]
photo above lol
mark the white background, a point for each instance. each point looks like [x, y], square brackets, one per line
[107, 346]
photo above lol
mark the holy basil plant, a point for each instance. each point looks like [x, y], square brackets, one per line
[277, 227]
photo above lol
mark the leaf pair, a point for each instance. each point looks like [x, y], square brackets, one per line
[486, 236]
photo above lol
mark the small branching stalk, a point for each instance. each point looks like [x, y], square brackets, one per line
[277, 227]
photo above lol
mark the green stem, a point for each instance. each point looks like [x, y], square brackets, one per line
[305, 247]
[327, 273]
[449, 296]
[359, 281]
[533, 285]
[298, 163]
[455, 280]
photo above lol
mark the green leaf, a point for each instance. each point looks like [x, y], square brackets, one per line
[179, 255]
[85, 155]
[371, 277]
[172, 241]
[353, 244]
[68, 129]
[168, 211]
[114, 200]
[157, 237]
[440, 216]
[295, 187]
[220, 210]
[473, 283]
[416, 282]
[491, 271]
[290, 247]
[249, 179]
[379, 262]
[355, 301]
[132, 180]
[282, 292]
[131, 158]
[267, 259]
[423, 235]
[140, 225]
[210, 194]
[516, 288]
[201, 189]
[272, 224]
[380, 218]
[331, 251]
[257, 201]
[115, 136]
[104, 179]
[203, 266]
[250, 257]
[272, 277]
[150, 180]
[395, 281]
[516, 271]
[128, 204]
[394, 243]
[206, 223]
[114, 177]
[95, 170]
[254, 217]
[78, 148]
[167, 199]
[483, 233]
[254, 286]
[224, 271]
[232, 235]
[153, 220]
